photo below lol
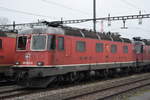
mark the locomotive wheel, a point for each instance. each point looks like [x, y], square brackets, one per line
[72, 76]
[145, 69]
[2, 76]
[105, 73]
[113, 73]
[80, 76]
[126, 71]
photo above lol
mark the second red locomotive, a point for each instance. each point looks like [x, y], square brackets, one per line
[7, 52]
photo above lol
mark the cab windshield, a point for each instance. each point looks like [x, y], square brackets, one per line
[38, 42]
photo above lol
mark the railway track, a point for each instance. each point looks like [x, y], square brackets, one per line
[112, 91]
[8, 91]
[92, 91]
[6, 83]
[9, 88]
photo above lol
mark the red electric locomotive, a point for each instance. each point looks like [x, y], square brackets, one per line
[7, 52]
[63, 53]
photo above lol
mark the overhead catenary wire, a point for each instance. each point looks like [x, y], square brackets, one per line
[26, 13]
[66, 7]
[132, 5]
[109, 18]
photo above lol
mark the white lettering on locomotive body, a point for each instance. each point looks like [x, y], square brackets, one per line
[29, 63]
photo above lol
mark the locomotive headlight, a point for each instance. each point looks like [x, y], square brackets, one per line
[17, 63]
[40, 63]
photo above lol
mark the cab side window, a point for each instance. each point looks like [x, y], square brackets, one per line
[51, 43]
[61, 43]
[0, 43]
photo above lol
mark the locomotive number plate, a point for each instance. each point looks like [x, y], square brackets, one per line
[28, 63]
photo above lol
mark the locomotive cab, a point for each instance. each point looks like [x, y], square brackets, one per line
[35, 53]
[35, 46]
[35, 49]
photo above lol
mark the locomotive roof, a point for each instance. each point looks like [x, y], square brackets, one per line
[90, 34]
[7, 34]
[41, 30]
[76, 32]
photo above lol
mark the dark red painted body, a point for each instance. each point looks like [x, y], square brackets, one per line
[7, 51]
[70, 56]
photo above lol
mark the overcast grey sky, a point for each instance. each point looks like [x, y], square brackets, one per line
[32, 10]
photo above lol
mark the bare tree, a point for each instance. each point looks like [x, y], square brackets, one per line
[4, 20]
